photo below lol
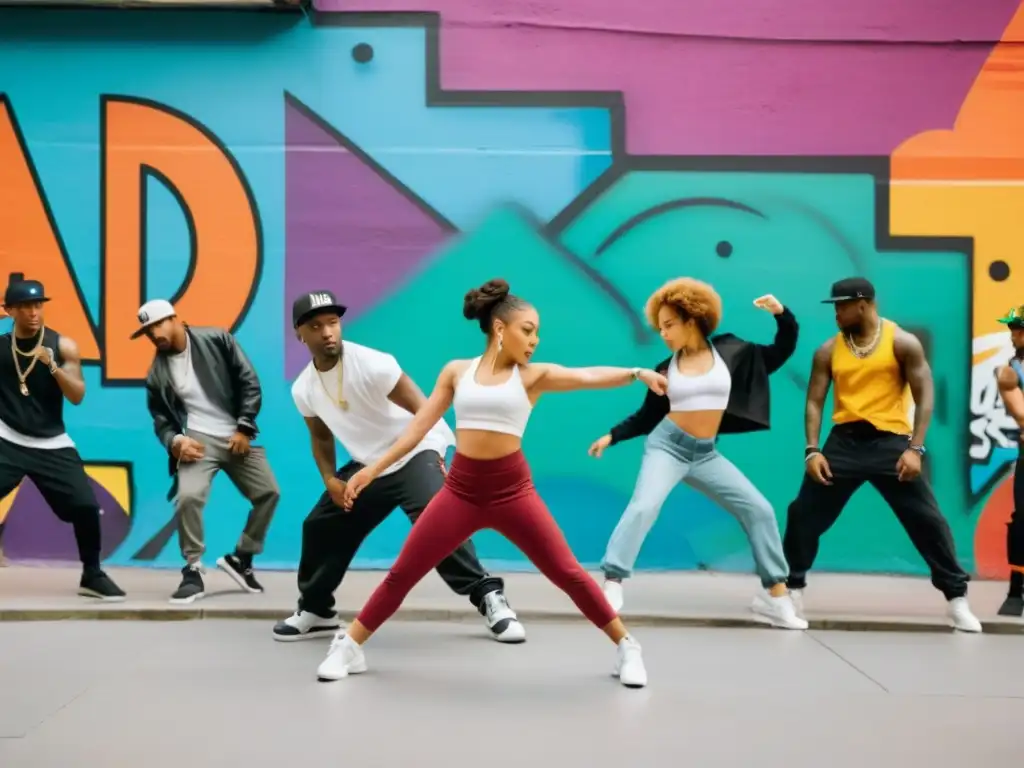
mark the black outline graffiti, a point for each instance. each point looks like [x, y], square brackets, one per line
[44, 200]
[105, 100]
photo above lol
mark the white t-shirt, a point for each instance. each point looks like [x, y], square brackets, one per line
[372, 423]
[203, 415]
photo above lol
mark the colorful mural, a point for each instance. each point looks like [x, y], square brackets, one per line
[399, 153]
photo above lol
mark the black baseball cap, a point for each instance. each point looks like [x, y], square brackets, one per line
[851, 289]
[21, 291]
[309, 304]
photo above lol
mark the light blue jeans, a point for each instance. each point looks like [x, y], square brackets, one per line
[672, 455]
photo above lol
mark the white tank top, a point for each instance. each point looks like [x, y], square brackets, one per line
[706, 392]
[501, 408]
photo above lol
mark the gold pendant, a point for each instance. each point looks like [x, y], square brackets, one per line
[343, 404]
[24, 389]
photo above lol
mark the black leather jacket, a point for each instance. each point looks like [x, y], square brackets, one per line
[226, 376]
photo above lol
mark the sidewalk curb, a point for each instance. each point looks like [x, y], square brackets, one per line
[439, 614]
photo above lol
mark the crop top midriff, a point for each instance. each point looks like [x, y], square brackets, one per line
[501, 407]
[705, 392]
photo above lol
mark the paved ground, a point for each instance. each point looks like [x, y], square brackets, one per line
[217, 692]
[834, 601]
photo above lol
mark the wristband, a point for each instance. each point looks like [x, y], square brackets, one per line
[811, 455]
[635, 373]
[810, 450]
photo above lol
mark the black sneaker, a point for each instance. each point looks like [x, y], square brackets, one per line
[239, 568]
[96, 584]
[191, 587]
[1012, 606]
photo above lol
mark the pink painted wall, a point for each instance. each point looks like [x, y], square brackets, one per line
[714, 77]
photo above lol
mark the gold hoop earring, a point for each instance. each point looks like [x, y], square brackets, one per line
[500, 343]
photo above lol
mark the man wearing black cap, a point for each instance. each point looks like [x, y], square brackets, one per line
[878, 371]
[1010, 379]
[361, 398]
[204, 396]
[39, 369]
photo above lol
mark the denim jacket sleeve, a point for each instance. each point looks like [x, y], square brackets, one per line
[651, 411]
[782, 347]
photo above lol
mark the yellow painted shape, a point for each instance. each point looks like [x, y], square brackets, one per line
[7, 502]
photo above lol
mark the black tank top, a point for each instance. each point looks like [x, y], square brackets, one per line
[41, 413]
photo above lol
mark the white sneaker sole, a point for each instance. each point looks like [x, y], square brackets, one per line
[317, 633]
[355, 669]
[764, 615]
[83, 592]
[186, 600]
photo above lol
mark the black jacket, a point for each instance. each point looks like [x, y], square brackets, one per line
[749, 364]
[226, 376]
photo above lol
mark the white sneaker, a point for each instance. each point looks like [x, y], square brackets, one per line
[797, 597]
[303, 625]
[960, 612]
[777, 611]
[613, 594]
[344, 657]
[629, 663]
[501, 619]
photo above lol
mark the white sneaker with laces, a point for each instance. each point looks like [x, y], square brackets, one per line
[303, 625]
[797, 598]
[629, 663]
[777, 611]
[963, 619]
[501, 619]
[344, 657]
[613, 594]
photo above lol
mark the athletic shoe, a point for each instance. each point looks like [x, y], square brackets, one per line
[96, 584]
[501, 619]
[1013, 605]
[344, 657]
[613, 594]
[303, 625]
[239, 568]
[629, 663]
[191, 587]
[963, 619]
[797, 596]
[777, 611]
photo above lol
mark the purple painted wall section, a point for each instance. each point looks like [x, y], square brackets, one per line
[707, 77]
[348, 229]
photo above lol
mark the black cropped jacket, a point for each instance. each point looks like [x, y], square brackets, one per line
[749, 364]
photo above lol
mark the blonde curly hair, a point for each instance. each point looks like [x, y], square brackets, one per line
[692, 299]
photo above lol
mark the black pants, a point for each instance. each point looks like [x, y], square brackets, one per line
[331, 536]
[60, 476]
[1015, 529]
[859, 453]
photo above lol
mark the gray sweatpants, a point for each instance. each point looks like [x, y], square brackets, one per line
[252, 477]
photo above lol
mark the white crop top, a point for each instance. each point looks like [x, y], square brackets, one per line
[501, 408]
[706, 392]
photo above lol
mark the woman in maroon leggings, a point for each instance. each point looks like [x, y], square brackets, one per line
[489, 485]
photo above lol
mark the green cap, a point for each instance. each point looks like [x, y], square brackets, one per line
[1014, 318]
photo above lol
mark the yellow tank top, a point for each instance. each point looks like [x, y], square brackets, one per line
[872, 388]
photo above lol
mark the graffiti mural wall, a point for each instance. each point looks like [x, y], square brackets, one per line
[400, 153]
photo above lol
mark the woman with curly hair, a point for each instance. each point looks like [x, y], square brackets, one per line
[716, 385]
[489, 484]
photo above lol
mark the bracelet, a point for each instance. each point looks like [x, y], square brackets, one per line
[810, 450]
[635, 373]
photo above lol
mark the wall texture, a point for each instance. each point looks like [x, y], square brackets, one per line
[401, 152]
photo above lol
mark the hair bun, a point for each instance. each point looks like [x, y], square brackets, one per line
[479, 302]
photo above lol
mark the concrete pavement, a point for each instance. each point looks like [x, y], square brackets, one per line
[214, 693]
[833, 601]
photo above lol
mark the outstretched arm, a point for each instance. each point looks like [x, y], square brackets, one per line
[918, 374]
[651, 411]
[817, 391]
[433, 410]
[784, 344]
[69, 376]
[557, 378]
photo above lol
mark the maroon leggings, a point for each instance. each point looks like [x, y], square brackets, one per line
[478, 494]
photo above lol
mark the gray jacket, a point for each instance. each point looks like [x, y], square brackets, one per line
[226, 376]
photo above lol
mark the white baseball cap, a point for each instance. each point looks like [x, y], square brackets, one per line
[153, 312]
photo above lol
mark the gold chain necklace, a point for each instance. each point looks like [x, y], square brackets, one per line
[862, 352]
[341, 401]
[23, 376]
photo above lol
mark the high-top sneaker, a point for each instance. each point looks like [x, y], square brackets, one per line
[501, 619]
[777, 611]
[344, 657]
[963, 619]
[191, 587]
[239, 567]
[96, 584]
[629, 663]
[303, 625]
[613, 594]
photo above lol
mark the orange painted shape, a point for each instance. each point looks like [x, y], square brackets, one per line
[28, 242]
[147, 135]
[990, 533]
[7, 502]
